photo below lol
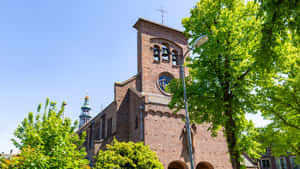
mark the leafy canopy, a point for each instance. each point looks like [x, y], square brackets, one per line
[49, 141]
[281, 23]
[281, 104]
[281, 32]
[224, 72]
[121, 155]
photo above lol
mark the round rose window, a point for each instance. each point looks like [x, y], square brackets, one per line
[163, 81]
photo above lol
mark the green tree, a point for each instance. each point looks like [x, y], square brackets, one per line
[28, 158]
[281, 44]
[281, 20]
[223, 76]
[50, 139]
[121, 155]
[281, 105]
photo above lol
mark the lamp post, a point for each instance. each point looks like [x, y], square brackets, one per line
[200, 41]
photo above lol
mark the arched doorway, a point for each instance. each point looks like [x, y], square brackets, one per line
[204, 165]
[177, 165]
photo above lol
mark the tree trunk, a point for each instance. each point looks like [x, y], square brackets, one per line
[230, 125]
[231, 142]
[230, 133]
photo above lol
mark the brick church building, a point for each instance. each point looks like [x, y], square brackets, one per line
[139, 111]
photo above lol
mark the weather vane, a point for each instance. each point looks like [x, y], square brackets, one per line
[162, 12]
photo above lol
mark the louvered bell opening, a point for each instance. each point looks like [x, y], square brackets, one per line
[156, 54]
[174, 59]
[165, 54]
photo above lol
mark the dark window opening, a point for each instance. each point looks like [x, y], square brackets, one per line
[156, 53]
[91, 136]
[136, 122]
[174, 58]
[281, 163]
[103, 127]
[97, 131]
[109, 127]
[293, 163]
[265, 164]
[165, 52]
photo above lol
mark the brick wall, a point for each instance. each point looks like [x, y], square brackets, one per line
[150, 34]
[164, 133]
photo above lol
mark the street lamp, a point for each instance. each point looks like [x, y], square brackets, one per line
[200, 41]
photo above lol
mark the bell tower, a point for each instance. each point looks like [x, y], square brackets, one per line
[160, 50]
[85, 112]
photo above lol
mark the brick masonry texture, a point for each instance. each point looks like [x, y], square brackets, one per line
[163, 131]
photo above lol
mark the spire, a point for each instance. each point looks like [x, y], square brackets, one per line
[85, 112]
[86, 107]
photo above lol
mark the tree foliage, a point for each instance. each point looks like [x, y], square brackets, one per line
[28, 158]
[121, 155]
[281, 105]
[281, 93]
[48, 141]
[281, 20]
[224, 74]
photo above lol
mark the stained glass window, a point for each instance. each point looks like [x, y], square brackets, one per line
[163, 81]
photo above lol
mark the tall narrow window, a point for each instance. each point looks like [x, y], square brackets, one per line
[98, 130]
[265, 164]
[293, 163]
[281, 163]
[91, 136]
[86, 139]
[174, 58]
[109, 127]
[103, 127]
[136, 122]
[156, 53]
[165, 52]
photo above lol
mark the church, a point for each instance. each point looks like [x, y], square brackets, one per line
[140, 112]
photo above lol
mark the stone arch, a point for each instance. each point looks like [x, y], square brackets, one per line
[204, 165]
[177, 165]
[166, 41]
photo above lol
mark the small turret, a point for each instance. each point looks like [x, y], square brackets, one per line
[85, 112]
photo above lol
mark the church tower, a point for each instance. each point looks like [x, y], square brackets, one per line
[160, 49]
[85, 112]
[140, 112]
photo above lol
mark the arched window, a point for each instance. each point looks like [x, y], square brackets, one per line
[175, 58]
[177, 165]
[204, 165]
[165, 52]
[156, 53]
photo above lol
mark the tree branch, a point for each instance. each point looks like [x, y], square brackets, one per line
[285, 121]
[242, 76]
[283, 102]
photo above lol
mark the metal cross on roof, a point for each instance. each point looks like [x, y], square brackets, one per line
[162, 12]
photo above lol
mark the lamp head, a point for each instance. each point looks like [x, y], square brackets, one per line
[200, 41]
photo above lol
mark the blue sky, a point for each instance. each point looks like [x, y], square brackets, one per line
[61, 48]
